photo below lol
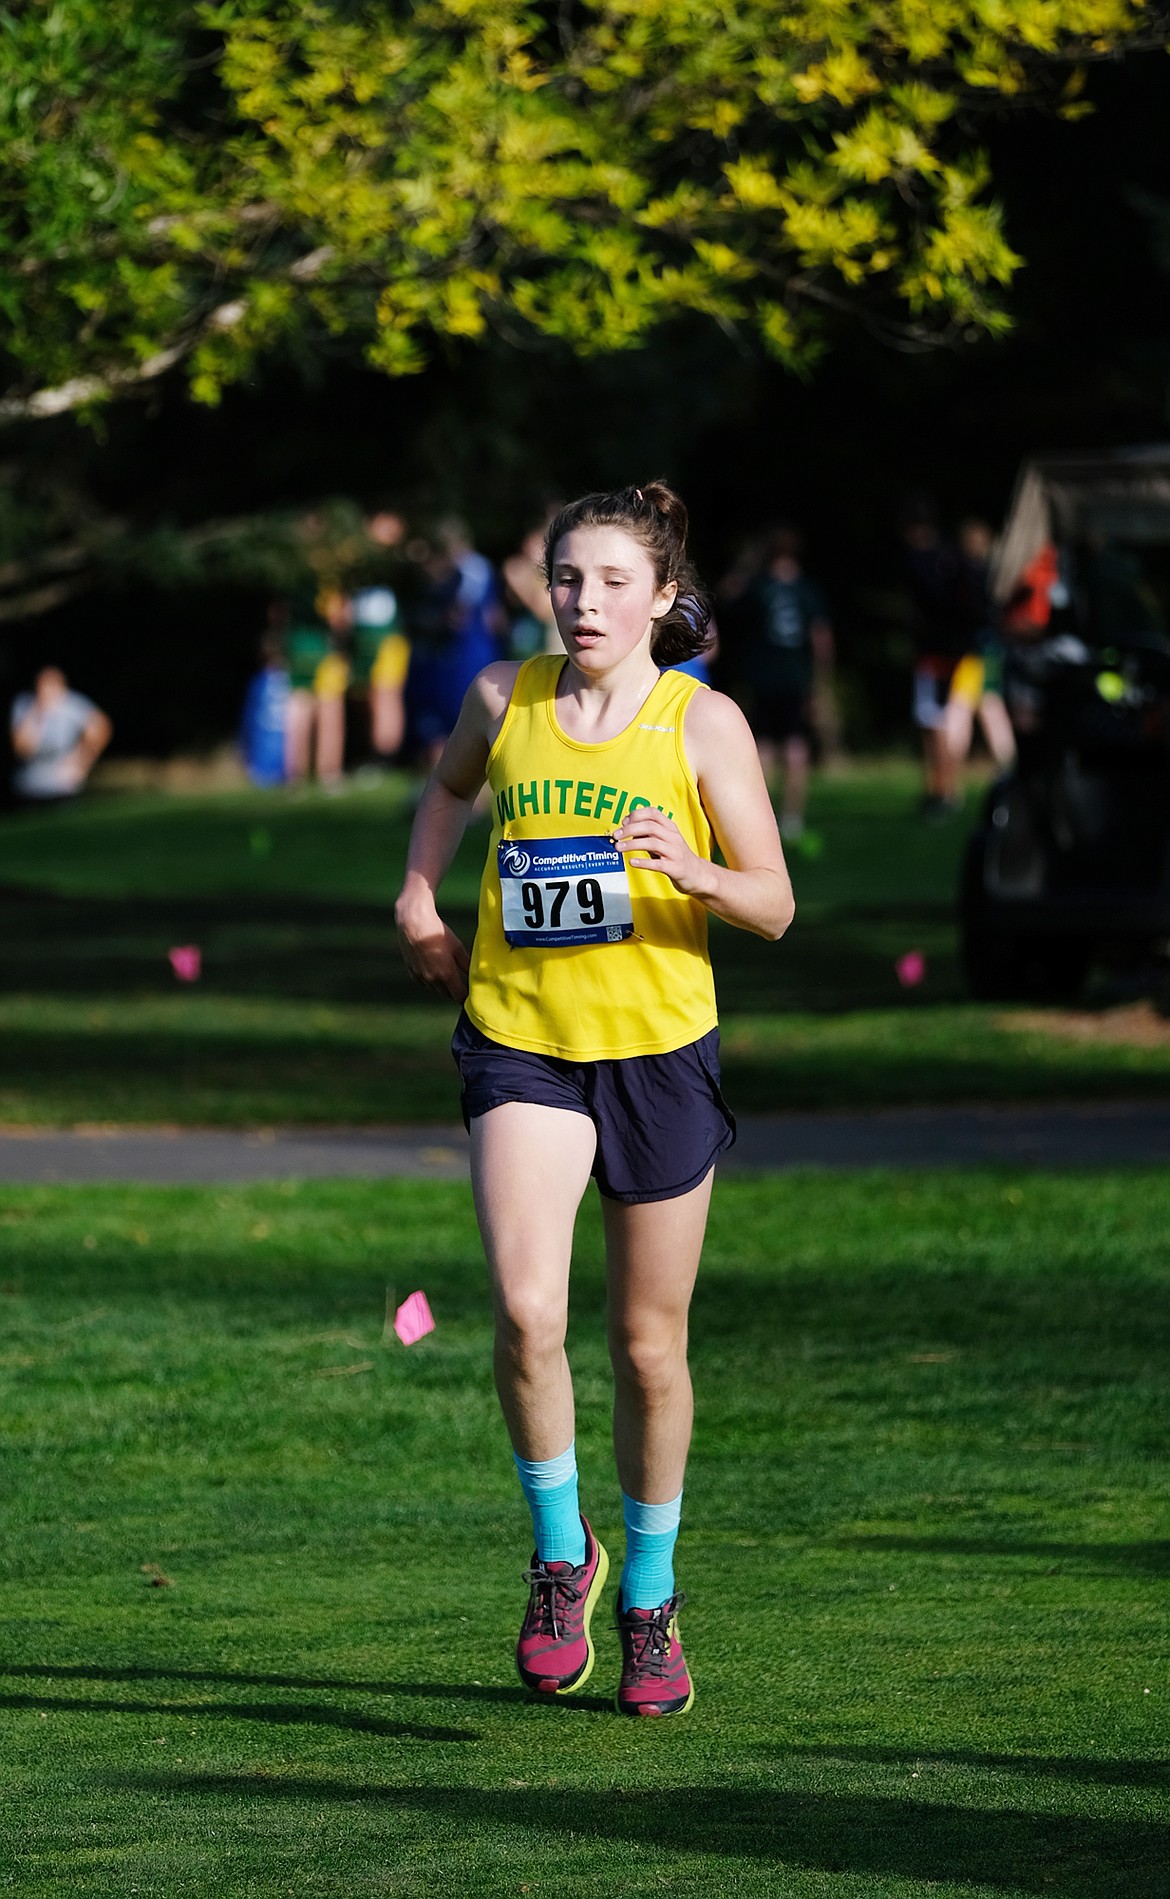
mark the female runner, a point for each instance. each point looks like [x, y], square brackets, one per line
[588, 1042]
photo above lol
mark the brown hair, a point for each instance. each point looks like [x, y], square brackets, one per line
[656, 518]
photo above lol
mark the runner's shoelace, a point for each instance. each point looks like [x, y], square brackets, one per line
[542, 1604]
[650, 1640]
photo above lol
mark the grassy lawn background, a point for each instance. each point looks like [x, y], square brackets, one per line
[304, 1014]
[925, 1543]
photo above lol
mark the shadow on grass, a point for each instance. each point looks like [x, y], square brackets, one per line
[327, 950]
[276, 1713]
[1149, 1558]
[1080, 1857]
[1076, 1768]
[1070, 1767]
[229, 1078]
[420, 1690]
[301, 950]
[266, 947]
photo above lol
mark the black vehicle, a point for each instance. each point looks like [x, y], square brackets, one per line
[1070, 861]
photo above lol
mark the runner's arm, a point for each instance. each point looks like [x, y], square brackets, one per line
[751, 889]
[432, 952]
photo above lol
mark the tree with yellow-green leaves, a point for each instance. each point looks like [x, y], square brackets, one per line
[184, 188]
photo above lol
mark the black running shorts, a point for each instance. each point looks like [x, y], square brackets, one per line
[661, 1120]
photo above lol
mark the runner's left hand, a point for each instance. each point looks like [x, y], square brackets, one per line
[660, 846]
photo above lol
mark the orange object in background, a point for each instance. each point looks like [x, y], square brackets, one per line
[1030, 607]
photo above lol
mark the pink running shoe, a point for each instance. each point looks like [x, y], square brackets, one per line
[554, 1653]
[655, 1678]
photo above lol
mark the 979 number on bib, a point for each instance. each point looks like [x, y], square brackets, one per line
[559, 892]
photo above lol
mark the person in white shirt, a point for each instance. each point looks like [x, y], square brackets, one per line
[57, 736]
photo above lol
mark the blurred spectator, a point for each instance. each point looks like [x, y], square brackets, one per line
[306, 645]
[533, 628]
[263, 727]
[330, 685]
[318, 671]
[931, 566]
[317, 644]
[57, 736]
[455, 627]
[787, 654]
[976, 690]
[381, 649]
[381, 661]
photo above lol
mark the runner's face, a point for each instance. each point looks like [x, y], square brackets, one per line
[604, 596]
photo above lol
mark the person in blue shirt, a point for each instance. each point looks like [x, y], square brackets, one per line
[455, 628]
[264, 724]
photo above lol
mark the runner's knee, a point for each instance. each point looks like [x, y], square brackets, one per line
[531, 1324]
[650, 1359]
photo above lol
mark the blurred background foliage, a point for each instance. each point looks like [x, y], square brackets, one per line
[202, 183]
[600, 237]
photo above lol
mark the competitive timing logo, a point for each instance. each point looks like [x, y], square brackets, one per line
[515, 861]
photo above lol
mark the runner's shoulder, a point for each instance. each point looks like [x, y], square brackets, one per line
[715, 723]
[491, 690]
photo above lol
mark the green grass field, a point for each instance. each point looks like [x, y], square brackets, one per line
[304, 1014]
[261, 1569]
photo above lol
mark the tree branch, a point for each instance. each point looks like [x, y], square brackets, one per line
[79, 390]
[109, 552]
[27, 606]
[18, 573]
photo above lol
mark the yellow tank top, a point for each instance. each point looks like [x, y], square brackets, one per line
[645, 992]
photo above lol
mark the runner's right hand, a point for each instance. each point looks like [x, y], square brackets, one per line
[434, 956]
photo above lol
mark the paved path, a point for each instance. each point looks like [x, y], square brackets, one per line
[1108, 1135]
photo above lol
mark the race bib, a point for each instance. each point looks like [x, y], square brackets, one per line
[562, 891]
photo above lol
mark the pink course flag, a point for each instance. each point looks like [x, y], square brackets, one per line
[186, 961]
[413, 1319]
[910, 969]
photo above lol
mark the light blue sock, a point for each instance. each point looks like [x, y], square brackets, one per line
[651, 1534]
[550, 1489]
